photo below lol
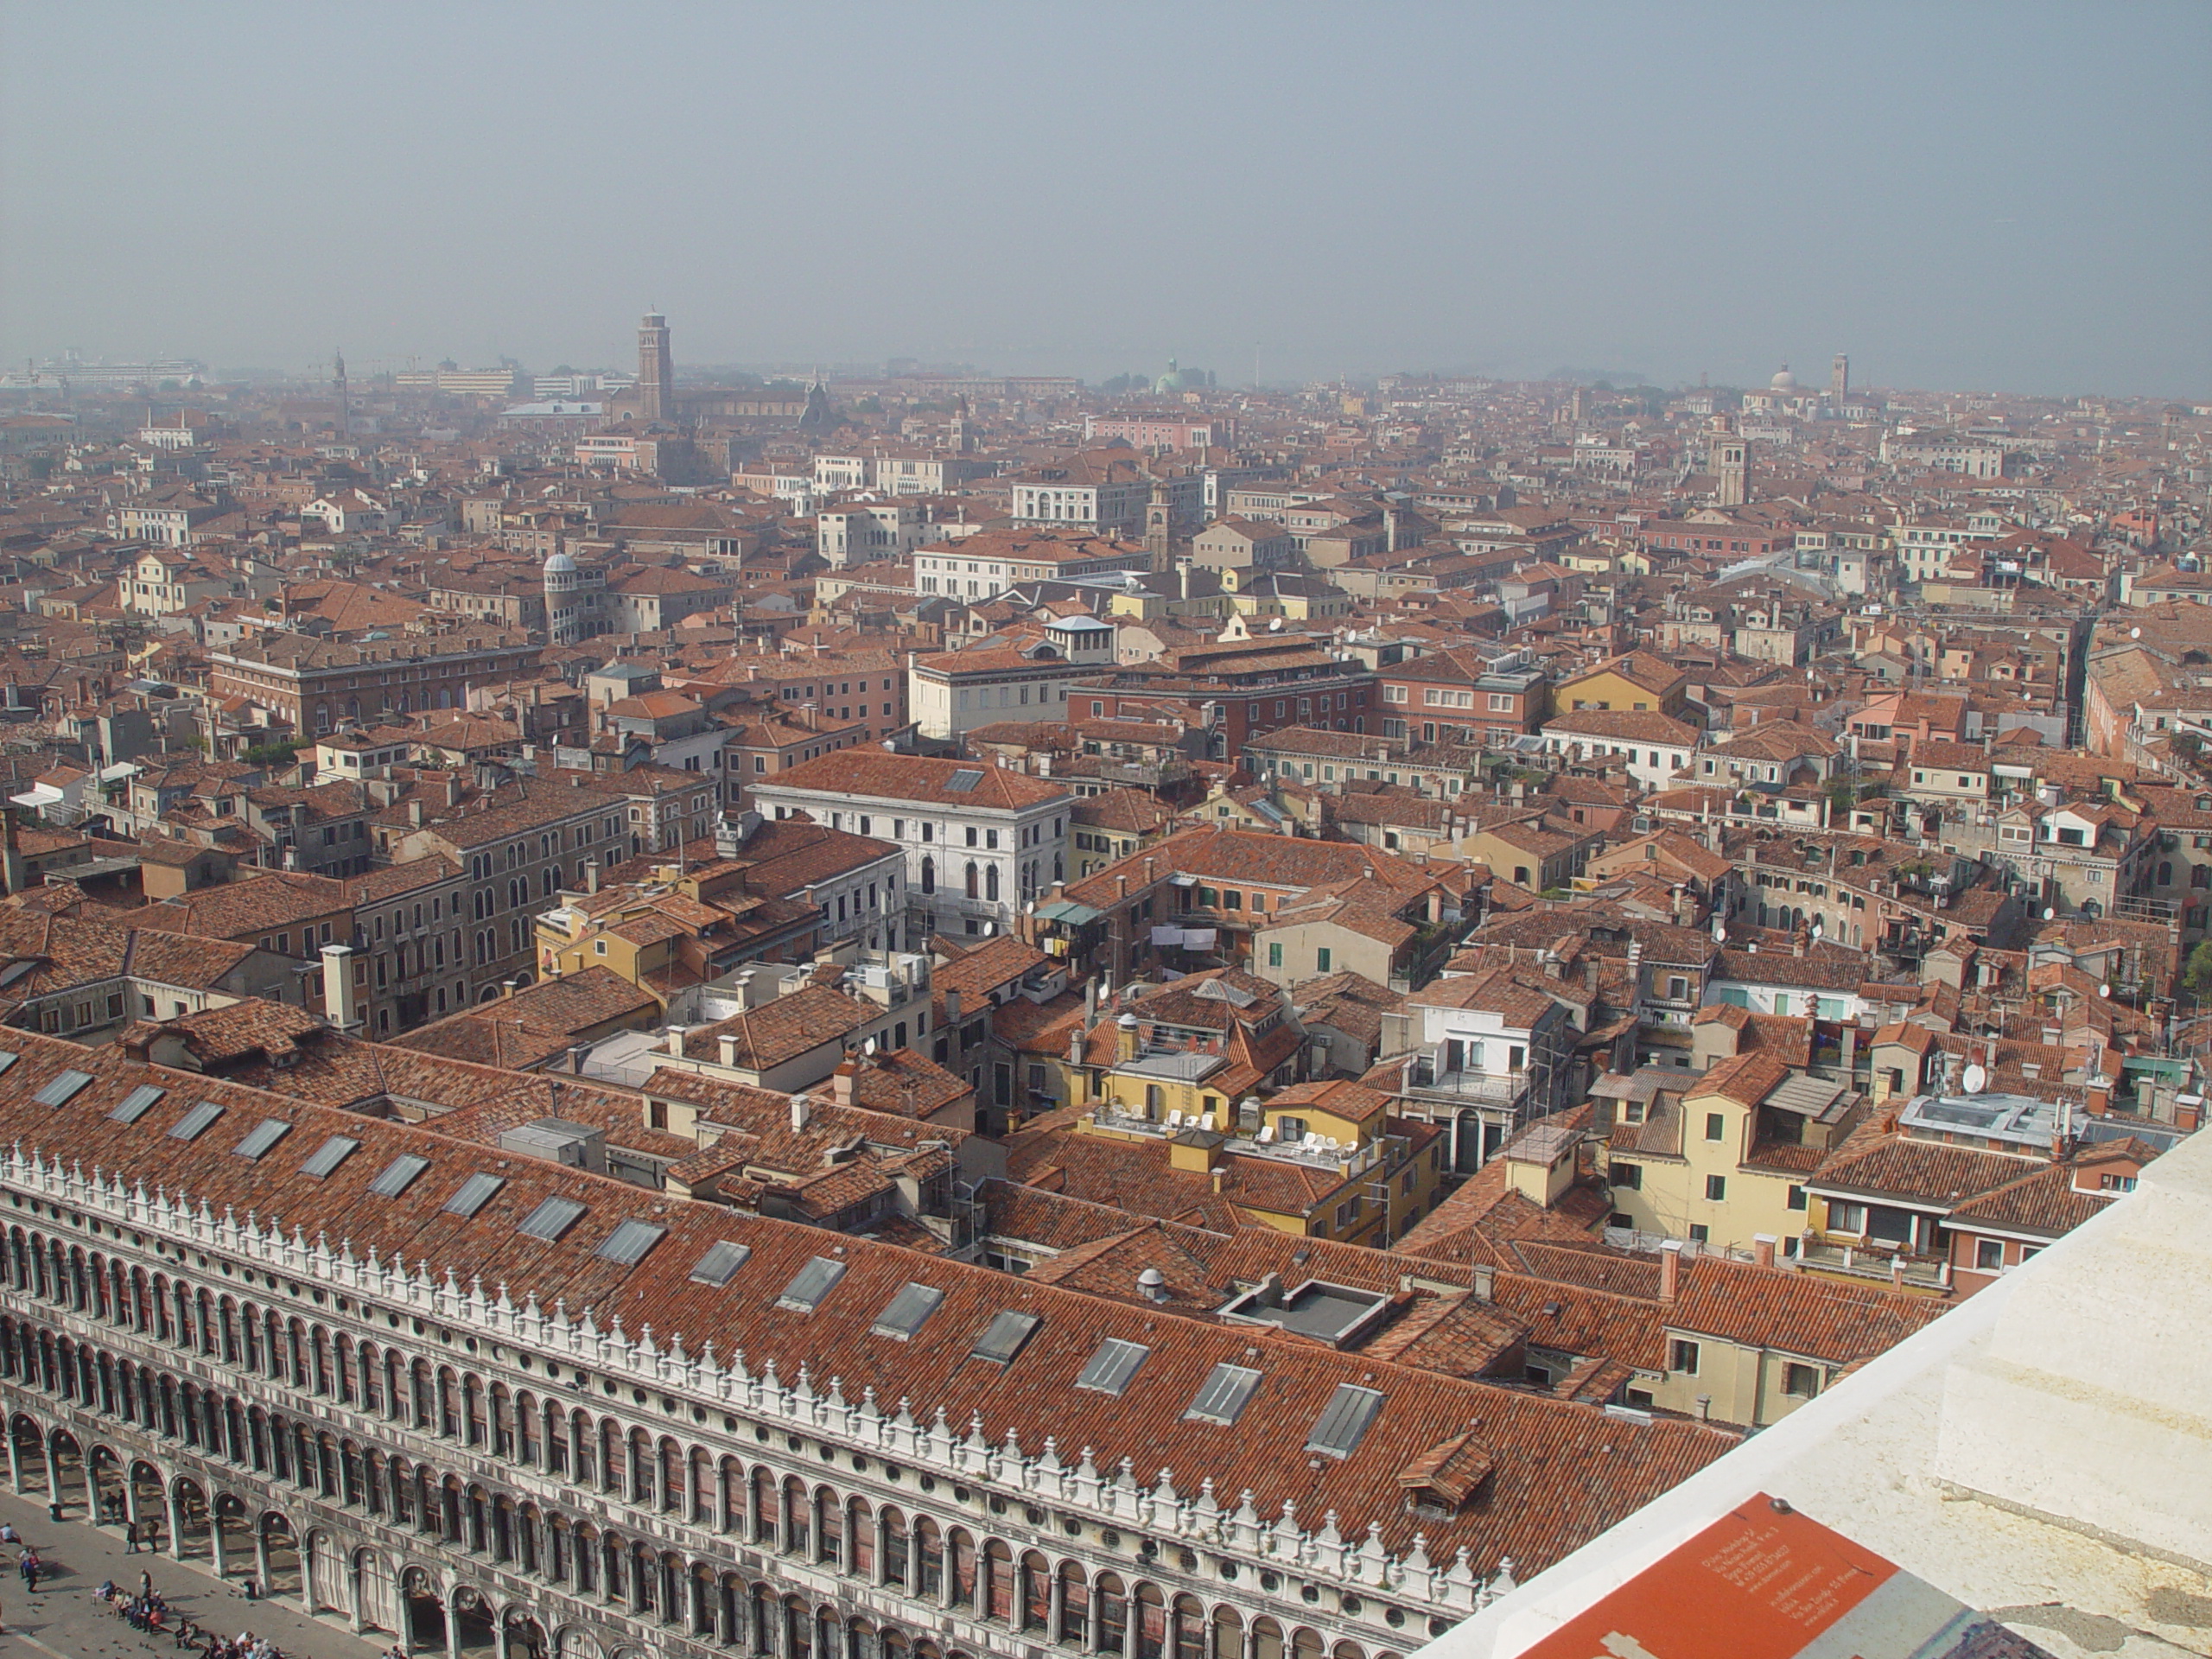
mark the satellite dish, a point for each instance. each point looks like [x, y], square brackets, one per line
[869, 1046]
[1976, 1080]
[1819, 927]
[2049, 914]
[2135, 633]
[2104, 990]
[1720, 931]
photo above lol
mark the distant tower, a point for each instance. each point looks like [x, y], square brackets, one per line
[964, 441]
[1839, 376]
[656, 370]
[338, 386]
[1727, 457]
[1159, 535]
[563, 615]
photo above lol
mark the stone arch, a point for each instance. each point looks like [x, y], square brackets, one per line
[1112, 1598]
[110, 1480]
[1305, 1643]
[375, 1592]
[1075, 1603]
[191, 1523]
[423, 1610]
[1187, 1628]
[233, 1537]
[522, 1634]
[1228, 1633]
[475, 1630]
[281, 1567]
[27, 1450]
[1033, 1594]
[1148, 1607]
[1266, 1639]
[571, 1642]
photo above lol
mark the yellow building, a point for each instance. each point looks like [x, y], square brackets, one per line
[1751, 1341]
[1725, 1162]
[1636, 683]
[1194, 1080]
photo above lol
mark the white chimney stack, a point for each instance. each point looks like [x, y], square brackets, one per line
[801, 1107]
[341, 1006]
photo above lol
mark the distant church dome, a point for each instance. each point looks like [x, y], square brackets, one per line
[1784, 381]
[1173, 380]
[560, 565]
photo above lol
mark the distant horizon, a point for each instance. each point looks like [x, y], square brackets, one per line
[2002, 196]
[220, 376]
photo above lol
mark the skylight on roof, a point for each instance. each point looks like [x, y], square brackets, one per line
[62, 1088]
[399, 1175]
[135, 1104]
[1224, 1394]
[908, 1311]
[812, 1282]
[476, 1192]
[551, 1218]
[1344, 1420]
[720, 1262]
[7, 1058]
[1003, 1337]
[1112, 1366]
[327, 1156]
[264, 1135]
[194, 1123]
[962, 781]
[629, 1243]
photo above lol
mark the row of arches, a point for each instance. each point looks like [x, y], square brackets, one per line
[933, 1566]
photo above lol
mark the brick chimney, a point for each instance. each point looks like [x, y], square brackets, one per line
[841, 1083]
[1763, 1249]
[1670, 1269]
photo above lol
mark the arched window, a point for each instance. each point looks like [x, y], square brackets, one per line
[974, 880]
[929, 875]
[991, 882]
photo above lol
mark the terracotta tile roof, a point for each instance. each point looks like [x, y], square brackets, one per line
[1825, 1319]
[875, 775]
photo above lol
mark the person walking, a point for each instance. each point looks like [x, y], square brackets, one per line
[145, 1584]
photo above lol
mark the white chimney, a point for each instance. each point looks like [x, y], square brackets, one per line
[801, 1107]
[675, 1041]
[341, 1006]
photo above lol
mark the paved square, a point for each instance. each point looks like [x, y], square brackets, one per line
[62, 1620]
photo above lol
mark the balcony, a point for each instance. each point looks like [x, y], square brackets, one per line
[1490, 1088]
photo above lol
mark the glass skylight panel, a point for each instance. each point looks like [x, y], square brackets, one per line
[193, 1123]
[327, 1156]
[1003, 1337]
[719, 1264]
[264, 1135]
[629, 1243]
[399, 1175]
[1223, 1396]
[908, 1311]
[813, 1282]
[62, 1088]
[1344, 1420]
[7, 1058]
[1112, 1366]
[476, 1192]
[551, 1218]
[962, 781]
[135, 1104]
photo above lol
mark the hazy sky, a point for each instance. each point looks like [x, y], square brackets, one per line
[2012, 195]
